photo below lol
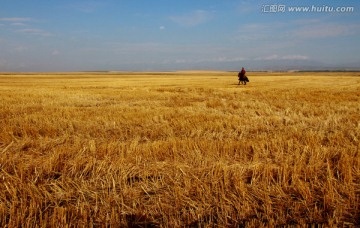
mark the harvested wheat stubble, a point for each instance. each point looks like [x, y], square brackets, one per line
[178, 149]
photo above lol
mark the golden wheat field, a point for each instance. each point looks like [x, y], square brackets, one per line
[179, 149]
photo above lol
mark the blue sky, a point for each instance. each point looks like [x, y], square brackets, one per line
[138, 35]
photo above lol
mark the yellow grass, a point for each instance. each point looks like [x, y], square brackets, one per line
[179, 149]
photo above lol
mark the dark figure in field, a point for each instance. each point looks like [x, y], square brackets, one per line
[242, 77]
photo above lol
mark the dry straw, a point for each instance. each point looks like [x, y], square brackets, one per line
[187, 149]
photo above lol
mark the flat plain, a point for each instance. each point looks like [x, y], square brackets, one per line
[179, 149]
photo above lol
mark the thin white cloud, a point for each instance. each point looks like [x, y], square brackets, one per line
[14, 24]
[326, 30]
[39, 32]
[270, 57]
[285, 57]
[295, 30]
[222, 59]
[306, 21]
[16, 19]
[260, 31]
[192, 19]
[295, 57]
[18, 24]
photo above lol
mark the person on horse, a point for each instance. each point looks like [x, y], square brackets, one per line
[242, 76]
